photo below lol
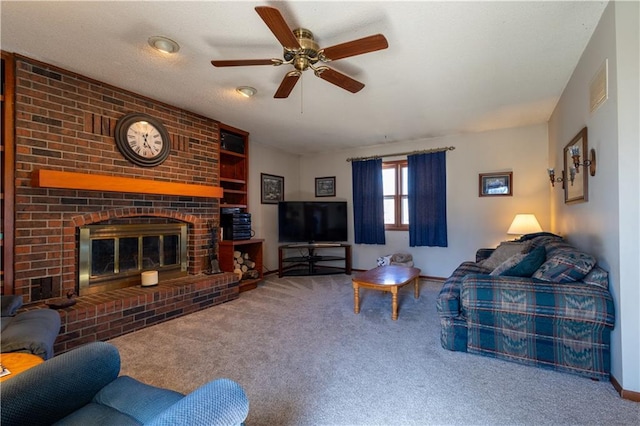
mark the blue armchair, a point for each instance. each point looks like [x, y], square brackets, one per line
[82, 387]
[31, 332]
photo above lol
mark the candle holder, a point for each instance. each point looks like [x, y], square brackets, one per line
[591, 162]
[554, 179]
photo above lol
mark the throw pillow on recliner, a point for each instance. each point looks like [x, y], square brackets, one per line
[524, 265]
[565, 265]
[503, 252]
[598, 277]
[508, 264]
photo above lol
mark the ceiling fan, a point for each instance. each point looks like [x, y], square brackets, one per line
[301, 51]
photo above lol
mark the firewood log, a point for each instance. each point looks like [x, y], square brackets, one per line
[252, 274]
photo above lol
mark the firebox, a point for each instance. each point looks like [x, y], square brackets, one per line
[114, 256]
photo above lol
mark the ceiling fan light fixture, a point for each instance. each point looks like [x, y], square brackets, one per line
[164, 44]
[302, 52]
[246, 91]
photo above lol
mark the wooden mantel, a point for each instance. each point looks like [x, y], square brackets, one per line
[96, 182]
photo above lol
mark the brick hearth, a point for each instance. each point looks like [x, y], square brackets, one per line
[106, 315]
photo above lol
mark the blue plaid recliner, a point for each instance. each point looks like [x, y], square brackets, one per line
[553, 312]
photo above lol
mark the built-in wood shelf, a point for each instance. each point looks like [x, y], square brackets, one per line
[96, 182]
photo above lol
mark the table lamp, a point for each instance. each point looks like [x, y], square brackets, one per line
[524, 224]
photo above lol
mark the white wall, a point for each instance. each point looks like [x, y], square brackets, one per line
[264, 217]
[473, 222]
[627, 17]
[608, 224]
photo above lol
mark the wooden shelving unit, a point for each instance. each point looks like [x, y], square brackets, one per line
[234, 166]
[253, 247]
[234, 172]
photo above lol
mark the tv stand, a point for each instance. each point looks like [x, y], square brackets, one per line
[311, 263]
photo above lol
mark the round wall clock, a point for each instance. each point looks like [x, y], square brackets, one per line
[142, 139]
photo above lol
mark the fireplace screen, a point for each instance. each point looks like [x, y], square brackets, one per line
[114, 256]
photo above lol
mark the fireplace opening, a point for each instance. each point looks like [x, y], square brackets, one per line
[114, 256]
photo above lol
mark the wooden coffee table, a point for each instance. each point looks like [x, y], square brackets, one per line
[17, 363]
[386, 278]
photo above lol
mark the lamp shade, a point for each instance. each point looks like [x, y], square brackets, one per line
[524, 224]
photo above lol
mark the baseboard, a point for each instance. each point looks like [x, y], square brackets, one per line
[430, 278]
[625, 394]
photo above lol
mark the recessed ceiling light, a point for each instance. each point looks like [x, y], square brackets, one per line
[246, 91]
[163, 44]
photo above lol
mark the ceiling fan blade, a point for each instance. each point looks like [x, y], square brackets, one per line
[278, 26]
[288, 82]
[244, 62]
[355, 47]
[339, 79]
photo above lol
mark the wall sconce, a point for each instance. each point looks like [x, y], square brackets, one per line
[554, 179]
[591, 162]
[574, 151]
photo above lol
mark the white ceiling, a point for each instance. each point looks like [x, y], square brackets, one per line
[451, 67]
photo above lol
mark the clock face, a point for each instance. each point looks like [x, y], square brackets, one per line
[142, 139]
[145, 139]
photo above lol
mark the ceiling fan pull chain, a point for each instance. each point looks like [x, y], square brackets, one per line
[301, 95]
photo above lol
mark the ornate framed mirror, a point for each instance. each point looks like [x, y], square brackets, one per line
[576, 187]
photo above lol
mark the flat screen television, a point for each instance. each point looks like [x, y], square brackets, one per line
[312, 221]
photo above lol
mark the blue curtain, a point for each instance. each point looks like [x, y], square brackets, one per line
[427, 184]
[368, 207]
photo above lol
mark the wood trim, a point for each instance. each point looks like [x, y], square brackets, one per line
[8, 172]
[95, 182]
[624, 394]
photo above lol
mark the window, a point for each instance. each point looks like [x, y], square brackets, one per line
[396, 195]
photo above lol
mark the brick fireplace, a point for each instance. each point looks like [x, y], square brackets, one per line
[65, 122]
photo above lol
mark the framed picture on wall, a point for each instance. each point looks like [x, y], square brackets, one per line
[576, 187]
[271, 188]
[326, 186]
[499, 184]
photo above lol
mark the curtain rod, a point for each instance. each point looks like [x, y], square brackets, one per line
[424, 151]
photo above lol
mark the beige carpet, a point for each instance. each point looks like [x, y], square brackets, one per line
[304, 358]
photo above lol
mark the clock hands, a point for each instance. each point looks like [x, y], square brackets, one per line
[145, 142]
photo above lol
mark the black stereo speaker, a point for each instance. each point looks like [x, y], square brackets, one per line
[232, 142]
[236, 226]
